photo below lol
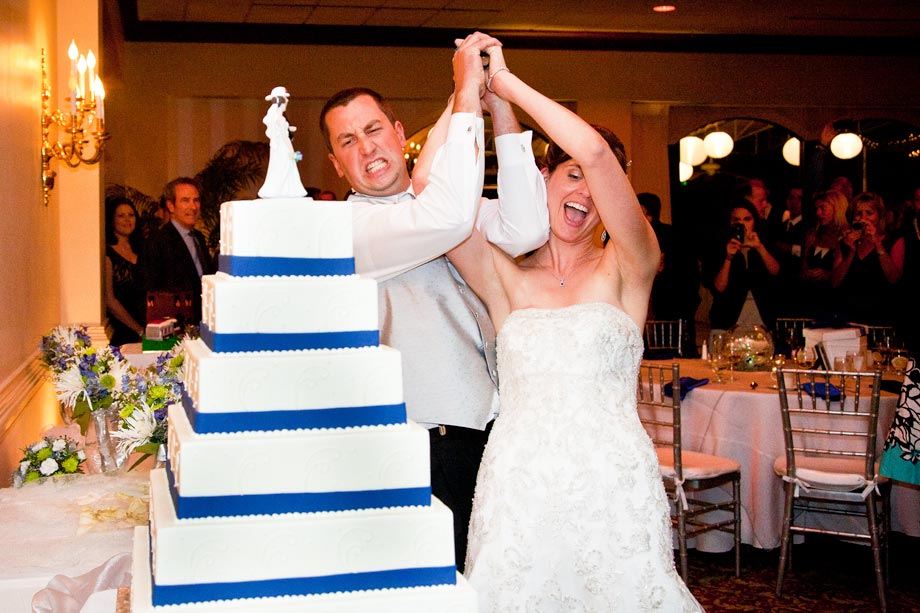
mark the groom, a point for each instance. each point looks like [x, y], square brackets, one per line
[426, 311]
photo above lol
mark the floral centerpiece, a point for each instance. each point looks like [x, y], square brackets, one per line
[49, 457]
[142, 406]
[84, 377]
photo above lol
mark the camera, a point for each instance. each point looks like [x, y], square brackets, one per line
[858, 225]
[738, 231]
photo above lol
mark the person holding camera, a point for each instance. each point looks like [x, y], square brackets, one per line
[741, 274]
[869, 264]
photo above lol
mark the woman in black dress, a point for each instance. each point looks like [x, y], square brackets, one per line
[125, 297]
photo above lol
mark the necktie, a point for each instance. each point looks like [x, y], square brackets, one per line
[200, 257]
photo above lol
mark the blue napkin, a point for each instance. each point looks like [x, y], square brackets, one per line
[819, 390]
[686, 384]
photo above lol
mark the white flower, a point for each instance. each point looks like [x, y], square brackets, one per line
[18, 480]
[65, 335]
[59, 445]
[81, 455]
[118, 369]
[39, 445]
[69, 386]
[136, 430]
[48, 467]
[24, 466]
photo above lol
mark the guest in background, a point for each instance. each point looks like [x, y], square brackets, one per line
[771, 217]
[125, 295]
[908, 324]
[869, 264]
[820, 251]
[741, 272]
[675, 292]
[176, 256]
[788, 250]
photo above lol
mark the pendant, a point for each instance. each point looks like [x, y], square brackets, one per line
[561, 283]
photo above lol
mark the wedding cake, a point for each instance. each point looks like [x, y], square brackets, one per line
[294, 481]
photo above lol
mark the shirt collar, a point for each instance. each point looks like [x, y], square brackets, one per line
[403, 196]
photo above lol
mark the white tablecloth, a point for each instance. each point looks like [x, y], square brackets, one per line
[65, 527]
[743, 424]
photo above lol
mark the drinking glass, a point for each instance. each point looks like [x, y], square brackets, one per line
[805, 357]
[719, 362]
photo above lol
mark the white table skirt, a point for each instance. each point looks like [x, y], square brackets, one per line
[743, 424]
[68, 527]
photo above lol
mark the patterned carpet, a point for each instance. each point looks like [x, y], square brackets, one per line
[827, 575]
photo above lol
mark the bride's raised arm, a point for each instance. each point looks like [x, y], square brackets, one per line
[631, 236]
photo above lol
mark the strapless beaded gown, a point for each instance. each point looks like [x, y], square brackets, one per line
[570, 513]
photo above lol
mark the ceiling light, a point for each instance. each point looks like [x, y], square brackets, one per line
[792, 151]
[718, 144]
[846, 145]
[664, 8]
[684, 171]
[692, 151]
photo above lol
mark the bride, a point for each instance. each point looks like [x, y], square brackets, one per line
[570, 513]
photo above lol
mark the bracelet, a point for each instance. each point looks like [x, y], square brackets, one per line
[492, 76]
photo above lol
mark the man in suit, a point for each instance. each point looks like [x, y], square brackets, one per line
[176, 256]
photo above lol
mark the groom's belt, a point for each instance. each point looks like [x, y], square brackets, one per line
[458, 432]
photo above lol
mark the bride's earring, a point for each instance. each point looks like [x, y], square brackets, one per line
[604, 236]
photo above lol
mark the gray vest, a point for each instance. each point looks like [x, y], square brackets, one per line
[447, 343]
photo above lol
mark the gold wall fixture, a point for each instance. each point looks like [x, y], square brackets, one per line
[84, 119]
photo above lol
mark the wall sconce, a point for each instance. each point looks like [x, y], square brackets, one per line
[86, 117]
[718, 144]
[846, 145]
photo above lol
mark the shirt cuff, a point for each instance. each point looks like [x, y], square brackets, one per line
[514, 148]
[463, 125]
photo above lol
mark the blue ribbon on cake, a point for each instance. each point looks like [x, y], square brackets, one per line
[300, 586]
[304, 586]
[223, 342]
[294, 419]
[188, 507]
[251, 266]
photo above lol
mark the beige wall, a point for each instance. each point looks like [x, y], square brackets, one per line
[175, 104]
[49, 255]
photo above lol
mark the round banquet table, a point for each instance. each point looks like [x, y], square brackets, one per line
[736, 421]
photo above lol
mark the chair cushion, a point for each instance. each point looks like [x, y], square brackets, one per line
[695, 465]
[835, 474]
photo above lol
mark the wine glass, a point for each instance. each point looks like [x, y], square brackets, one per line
[719, 362]
[718, 357]
[805, 357]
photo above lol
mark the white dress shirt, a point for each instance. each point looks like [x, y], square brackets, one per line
[440, 327]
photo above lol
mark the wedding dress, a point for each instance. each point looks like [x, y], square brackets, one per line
[570, 513]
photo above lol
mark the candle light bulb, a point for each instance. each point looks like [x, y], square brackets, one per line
[91, 66]
[81, 69]
[100, 101]
[72, 51]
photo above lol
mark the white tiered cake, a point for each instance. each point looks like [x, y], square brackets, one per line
[294, 481]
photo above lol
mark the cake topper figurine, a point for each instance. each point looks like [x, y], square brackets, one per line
[282, 179]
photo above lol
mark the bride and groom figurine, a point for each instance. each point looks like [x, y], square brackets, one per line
[282, 179]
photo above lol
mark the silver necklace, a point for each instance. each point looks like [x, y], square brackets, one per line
[560, 279]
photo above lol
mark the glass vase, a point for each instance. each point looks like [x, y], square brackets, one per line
[101, 447]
